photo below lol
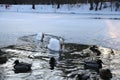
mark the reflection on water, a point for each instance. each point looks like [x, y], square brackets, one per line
[113, 40]
[112, 30]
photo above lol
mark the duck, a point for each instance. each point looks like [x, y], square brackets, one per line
[105, 74]
[54, 44]
[21, 67]
[94, 49]
[95, 65]
[82, 77]
[3, 57]
[52, 63]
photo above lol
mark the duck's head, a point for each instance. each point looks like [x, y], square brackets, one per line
[99, 61]
[94, 46]
[52, 58]
[16, 62]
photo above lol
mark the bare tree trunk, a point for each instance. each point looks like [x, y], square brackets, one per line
[58, 4]
[15, 2]
[97, 3]
[111, 4]
[91, 4]
[33, 6]
[101, 4]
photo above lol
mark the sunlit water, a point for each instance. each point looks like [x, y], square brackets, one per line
[76, 28]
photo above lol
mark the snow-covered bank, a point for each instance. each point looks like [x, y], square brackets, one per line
[66, 8]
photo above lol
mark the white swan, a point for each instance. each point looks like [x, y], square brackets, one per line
[40, 36]
[54, 44]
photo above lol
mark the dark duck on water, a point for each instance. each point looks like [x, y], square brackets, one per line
[105, 74]
[3, 57]
[94, 49]
[52, 63]
[21, 67]
[82, 77]
[93, 65]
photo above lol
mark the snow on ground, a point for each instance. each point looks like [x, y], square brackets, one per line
[66, 8]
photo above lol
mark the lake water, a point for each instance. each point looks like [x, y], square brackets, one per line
[102, 30]
[75, 28]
